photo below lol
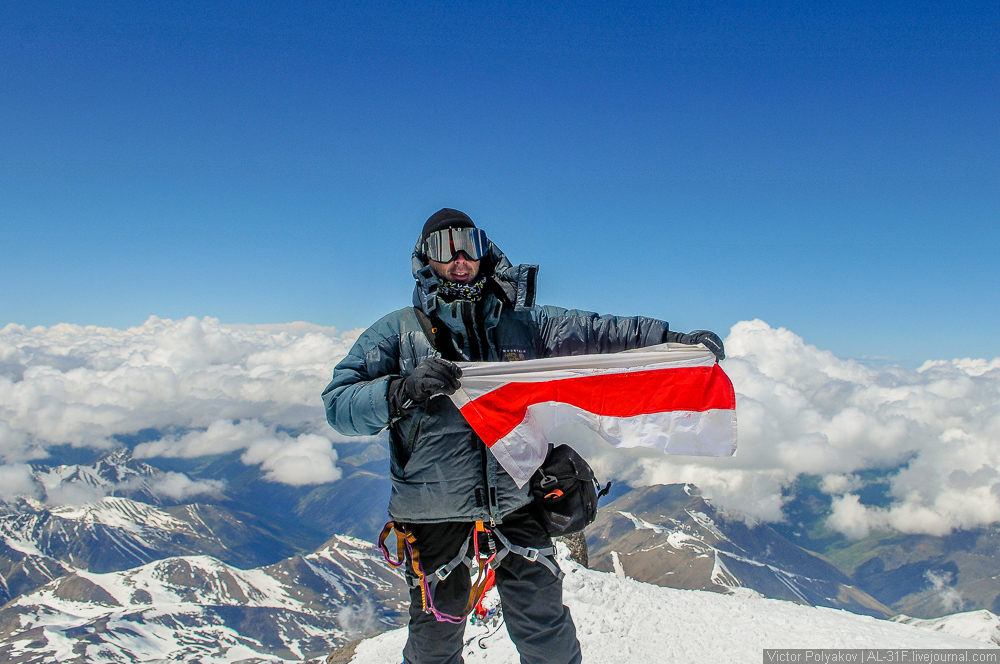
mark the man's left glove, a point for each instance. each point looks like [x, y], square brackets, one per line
[711, 341]
[432, 376]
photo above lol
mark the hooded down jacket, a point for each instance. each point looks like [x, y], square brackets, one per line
[440, 469]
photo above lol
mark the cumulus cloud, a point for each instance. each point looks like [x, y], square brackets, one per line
[309, 459]
[17, 480]
[840, 484]
[74, 494]
[220, 437]
[75, 485]
[935, 431]
[359, 619]
[941, 582]
[178, 486]
[83, 386]
[300, 460]
[852, 518]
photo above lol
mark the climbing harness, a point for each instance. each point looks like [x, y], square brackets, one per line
[489, 548]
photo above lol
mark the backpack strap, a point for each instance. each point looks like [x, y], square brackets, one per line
[430, 330]
[438, 334]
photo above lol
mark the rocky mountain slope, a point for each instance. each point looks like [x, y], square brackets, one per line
[118, 520]
[919, 575]
[116, 533]
[670, 536]
[197, 608]
[245, 521]
[353, 505]
[23, 568]
[114, 474]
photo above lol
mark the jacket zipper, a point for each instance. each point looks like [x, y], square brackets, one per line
[490, 491]
[472, 331]
[477, 354]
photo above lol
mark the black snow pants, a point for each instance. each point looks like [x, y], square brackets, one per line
[531, 596]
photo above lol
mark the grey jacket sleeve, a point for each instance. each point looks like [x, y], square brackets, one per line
[356, 399]
[575, 332]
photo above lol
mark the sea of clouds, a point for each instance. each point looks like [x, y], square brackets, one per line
[218, 388]
[215, 388]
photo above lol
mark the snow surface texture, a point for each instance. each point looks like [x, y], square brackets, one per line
[623, 621]
[225, 388]
[979, 625]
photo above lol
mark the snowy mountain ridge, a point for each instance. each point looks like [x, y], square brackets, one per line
[116, 471]
[980, 625]
[197, 608]
[115, 533]
[669, 535]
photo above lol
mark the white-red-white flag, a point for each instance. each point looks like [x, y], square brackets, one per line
[670, 397]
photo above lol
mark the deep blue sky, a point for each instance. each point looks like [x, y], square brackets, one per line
[832, 169]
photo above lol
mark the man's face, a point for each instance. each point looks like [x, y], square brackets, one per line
[459, 270]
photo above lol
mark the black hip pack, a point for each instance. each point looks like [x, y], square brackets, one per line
[565, 489]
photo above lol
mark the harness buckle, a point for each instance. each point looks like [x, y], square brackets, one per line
[531, 554]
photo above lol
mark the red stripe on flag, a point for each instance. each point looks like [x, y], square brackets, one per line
[697, 389]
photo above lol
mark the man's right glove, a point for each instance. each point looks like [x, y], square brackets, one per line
[710, 339]
[432, 376]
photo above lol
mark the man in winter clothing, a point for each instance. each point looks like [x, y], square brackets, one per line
[470, 304]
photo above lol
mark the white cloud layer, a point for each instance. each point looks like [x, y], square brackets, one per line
[233, 387]
[17, 480]
[178, 486]
[241, 388]
[63, 488]
[63, 491]
[304, 459]
[803, 410]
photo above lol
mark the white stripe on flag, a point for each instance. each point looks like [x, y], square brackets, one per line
[669, 397]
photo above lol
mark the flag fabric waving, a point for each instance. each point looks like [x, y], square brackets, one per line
[670, 397]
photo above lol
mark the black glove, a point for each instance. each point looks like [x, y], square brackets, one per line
[432, 376]
[710, 339]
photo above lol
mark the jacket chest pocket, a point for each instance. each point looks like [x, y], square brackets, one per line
[413, 435]
[513, 354]
[404, 439]
[514, 342]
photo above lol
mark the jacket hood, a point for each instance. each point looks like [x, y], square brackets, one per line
[515, 284]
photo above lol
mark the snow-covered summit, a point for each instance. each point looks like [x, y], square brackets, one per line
[980, 625]
[622, 621]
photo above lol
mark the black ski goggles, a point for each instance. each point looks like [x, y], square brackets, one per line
[442, 246]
